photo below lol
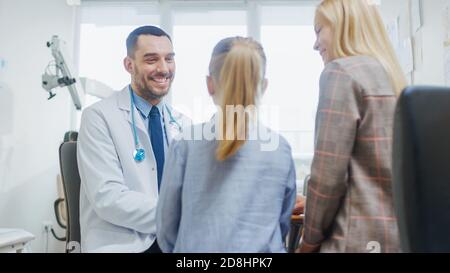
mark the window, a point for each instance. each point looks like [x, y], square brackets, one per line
[195, 34]
[285, 29]
[103, 31]
[293, 71]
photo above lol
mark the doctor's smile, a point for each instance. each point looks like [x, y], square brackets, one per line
[162, 80]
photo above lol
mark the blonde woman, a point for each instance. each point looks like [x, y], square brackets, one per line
[349, 205]
[231, 193]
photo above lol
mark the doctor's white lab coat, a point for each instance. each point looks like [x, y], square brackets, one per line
[118, 195]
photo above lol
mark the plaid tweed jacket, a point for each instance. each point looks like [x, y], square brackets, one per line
[349, 205]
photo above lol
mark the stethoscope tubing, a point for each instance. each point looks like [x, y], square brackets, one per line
[139, 154]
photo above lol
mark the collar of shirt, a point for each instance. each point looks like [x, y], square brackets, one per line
[144, 106]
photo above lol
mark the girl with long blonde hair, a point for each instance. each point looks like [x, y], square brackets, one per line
[229, 194]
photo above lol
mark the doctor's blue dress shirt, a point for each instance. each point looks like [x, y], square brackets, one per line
[144, 108]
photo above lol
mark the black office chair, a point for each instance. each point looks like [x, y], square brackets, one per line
[421, 169]
[71, 184]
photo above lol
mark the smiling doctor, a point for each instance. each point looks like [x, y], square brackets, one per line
[121, 150]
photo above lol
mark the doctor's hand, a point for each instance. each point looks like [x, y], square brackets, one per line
[299, 207]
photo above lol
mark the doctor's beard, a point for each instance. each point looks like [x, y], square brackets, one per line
[143, 84]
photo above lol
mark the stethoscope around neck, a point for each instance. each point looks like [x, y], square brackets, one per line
[139, 153]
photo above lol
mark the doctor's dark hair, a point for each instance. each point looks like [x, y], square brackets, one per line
[237, 67]
[144, 30]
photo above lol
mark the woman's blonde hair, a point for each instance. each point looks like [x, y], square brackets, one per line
[359, 30]
[237, 67]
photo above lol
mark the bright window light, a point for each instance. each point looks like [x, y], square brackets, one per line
[103, 32]
[195, 36]
[286, 33]
[293, 71]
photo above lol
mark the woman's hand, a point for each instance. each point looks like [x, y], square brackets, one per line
[299, 207]
[307, 248]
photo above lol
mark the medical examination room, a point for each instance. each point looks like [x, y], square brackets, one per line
[225, 126]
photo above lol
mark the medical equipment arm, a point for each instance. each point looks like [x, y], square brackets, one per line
[63, 76]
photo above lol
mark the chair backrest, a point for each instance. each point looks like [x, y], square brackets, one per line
[70, 136]
[71, 183]
[421, 169]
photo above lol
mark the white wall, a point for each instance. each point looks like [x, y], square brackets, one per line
[31, 127]
[433, 34]
[430, 67]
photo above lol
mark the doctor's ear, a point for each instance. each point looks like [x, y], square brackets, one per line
[128, 64]
[211, 86]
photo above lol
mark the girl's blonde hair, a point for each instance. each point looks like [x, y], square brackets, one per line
[359, 30]
[237, 67]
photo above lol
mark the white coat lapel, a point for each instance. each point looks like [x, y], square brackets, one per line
[125, 105]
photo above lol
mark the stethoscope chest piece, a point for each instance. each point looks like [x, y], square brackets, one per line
[139, 155]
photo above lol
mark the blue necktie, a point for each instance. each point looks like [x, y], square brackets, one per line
[157, 140]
